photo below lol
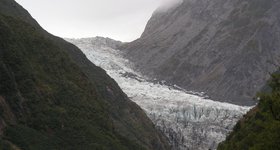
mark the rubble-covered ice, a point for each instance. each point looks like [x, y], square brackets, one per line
[189, 121]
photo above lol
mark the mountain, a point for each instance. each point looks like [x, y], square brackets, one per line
[260, 128]
[53, 97]
[188, 120]
[225, 48]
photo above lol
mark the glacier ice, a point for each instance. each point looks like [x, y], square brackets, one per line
[189, 121]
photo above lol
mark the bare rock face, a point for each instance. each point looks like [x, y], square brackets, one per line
[226, 48]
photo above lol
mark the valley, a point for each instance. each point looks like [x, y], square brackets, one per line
[203, 75]
[189, 121]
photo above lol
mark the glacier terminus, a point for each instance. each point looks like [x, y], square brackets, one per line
[188, 119]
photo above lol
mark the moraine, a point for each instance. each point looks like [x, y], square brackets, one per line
[189, 121]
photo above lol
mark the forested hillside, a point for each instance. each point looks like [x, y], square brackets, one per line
[260, 128]
[52, 97]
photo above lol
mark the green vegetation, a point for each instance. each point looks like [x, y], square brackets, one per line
[260, 128]
[46, 101]
[52, 97]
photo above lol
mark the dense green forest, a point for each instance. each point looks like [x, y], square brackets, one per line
[260, 128]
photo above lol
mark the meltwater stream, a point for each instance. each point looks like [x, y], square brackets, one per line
[189, 121]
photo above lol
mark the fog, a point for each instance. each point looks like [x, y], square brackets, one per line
[167, 4]
[122, 20]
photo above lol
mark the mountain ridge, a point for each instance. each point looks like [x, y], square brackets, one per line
[53, 97]
[212, 47]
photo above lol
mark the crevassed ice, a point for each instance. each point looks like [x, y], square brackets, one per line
[189, 121]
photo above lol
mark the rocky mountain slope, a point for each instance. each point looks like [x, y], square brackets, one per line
[189, 121]
[226, 48]
[53, 97]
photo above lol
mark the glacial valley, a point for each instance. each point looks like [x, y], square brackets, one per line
[189, 120]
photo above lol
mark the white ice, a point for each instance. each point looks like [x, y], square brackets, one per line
[189, 121]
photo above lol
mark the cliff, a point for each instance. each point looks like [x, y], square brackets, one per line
[225, 48]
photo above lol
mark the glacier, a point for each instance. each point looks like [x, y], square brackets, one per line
[189, 120]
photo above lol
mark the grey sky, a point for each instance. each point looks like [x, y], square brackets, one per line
[122, 20]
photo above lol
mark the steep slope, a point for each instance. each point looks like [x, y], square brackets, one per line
[225, 48]
[52, 97]
[260, 128]
[189, 121]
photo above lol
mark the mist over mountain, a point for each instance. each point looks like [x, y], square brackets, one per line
[226, 48]
[168, 4]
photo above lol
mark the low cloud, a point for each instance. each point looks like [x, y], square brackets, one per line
[168, 4]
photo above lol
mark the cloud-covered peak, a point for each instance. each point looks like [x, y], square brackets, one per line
[168, 4]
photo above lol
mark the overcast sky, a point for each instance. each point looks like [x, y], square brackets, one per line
[122, 20]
